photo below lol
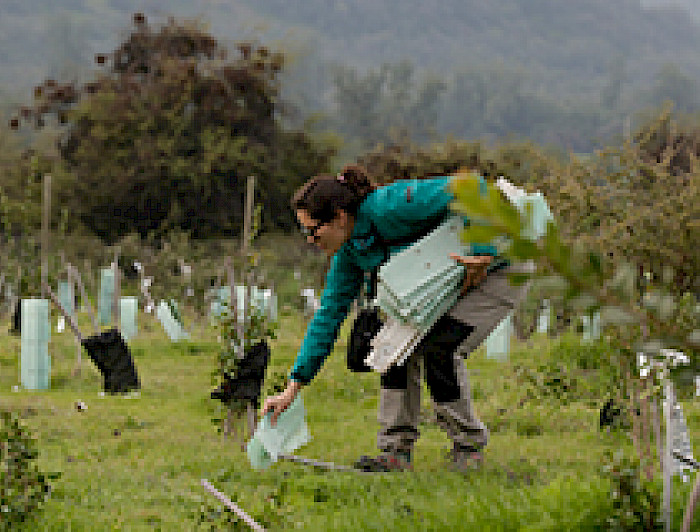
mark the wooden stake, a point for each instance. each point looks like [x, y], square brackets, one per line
[252, 419]
[247, 228]
[45, 220]
[656, 420]
[78, 347]
[229, 504]
[228, 267]
[83, 296]
[646, 432]
[692, 503]
[632, 387]
[71, 322]
[317, 463]
[668, 459]
[116, 318]
[228, 422]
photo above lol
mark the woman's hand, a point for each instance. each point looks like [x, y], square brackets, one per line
[476, 268]
[279, 403]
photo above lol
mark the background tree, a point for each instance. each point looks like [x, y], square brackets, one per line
[166, 134]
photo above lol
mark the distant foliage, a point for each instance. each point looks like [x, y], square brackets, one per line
[639, 202]
[167, 132]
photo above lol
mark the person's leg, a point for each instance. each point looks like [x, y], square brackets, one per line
[484, 307]
[399, 410]
[447, 381]
[481, 309]
[399, 407]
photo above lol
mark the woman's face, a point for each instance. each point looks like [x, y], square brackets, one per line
[329, 236]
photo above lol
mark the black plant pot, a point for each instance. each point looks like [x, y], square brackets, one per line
[246, 386]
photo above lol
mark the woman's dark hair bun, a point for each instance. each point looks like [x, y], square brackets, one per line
[323, 195]
[356, 178]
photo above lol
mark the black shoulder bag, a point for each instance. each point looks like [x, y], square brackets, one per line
[365, 327]
[368, 321]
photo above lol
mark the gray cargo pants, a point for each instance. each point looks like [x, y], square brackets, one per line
[456, 334]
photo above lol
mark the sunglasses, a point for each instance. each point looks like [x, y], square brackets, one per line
[311, 231]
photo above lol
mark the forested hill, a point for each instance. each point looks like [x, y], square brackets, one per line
[575, 39]
[688, 6]
[568, 44]
[555, 71]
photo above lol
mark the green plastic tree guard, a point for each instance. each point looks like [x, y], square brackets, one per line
[290, 433]
[106, 297]
[544, 317]
[591, 327]
[66, 296]
[128, 310]
[498, 342]
[172, 327]
[35, 364]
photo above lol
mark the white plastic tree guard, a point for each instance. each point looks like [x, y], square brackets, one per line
[498, 342]
[35, 363]
[128, 310]
[106, 296]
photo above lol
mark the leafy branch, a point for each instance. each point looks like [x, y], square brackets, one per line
[581, 275]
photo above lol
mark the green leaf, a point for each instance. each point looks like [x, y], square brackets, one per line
[523, 249]
[480, 233]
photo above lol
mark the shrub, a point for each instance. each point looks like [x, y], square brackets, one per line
[23, 489]
[636, 501]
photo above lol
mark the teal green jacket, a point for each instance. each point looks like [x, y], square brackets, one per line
[402, 211]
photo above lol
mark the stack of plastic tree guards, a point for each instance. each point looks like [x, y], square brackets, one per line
[421, 283]
[414, 289]
[35, 364]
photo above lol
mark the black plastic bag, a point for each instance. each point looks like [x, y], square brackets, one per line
[246, 385]
[111, 355]
[17, 318]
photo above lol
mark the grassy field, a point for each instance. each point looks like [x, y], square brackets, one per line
[135, 462]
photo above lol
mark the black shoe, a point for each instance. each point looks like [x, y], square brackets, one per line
[384, 463]
[465, 458]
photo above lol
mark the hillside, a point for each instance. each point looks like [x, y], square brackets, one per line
[566, 43]
[544, 66]
[686, 6]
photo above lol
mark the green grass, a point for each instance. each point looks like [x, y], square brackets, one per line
[135, 463]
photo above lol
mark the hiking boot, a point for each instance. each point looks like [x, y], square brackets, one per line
[466, 458]
[384, 463]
